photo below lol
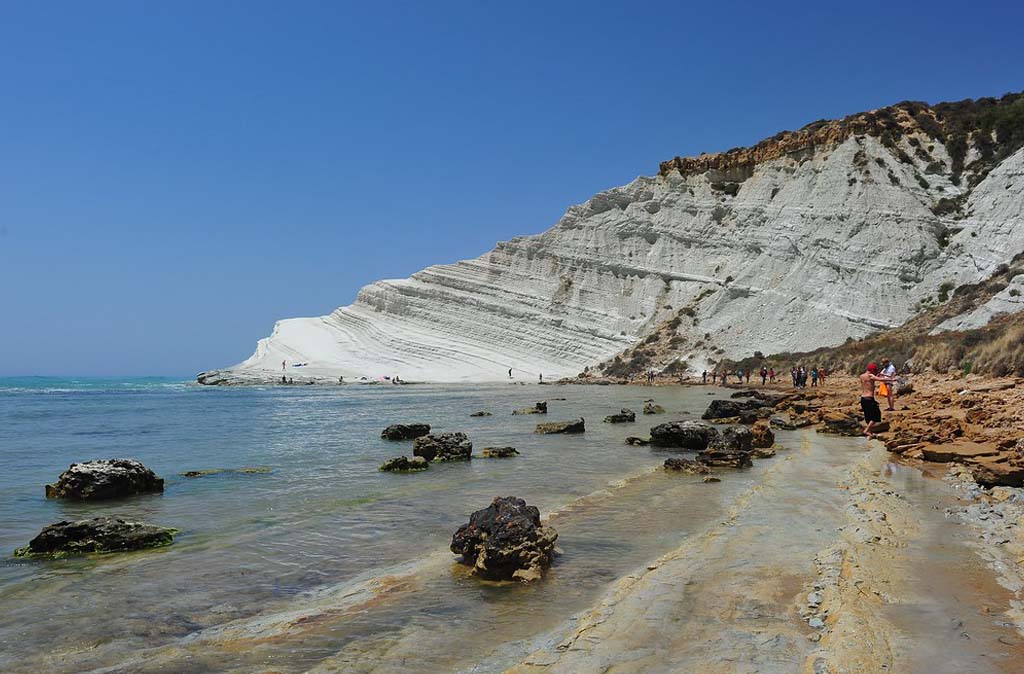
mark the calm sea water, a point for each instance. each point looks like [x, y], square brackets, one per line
[358, 555]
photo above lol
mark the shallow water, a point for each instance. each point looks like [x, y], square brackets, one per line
[322, 524]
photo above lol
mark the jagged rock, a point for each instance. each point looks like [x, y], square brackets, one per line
[686, 466]
[105, 479]
[651, 408]
[725, 458]
[404, 464]
[481, 413]
[498, 452]
[841, 424]
[683, 434]
[763, 436]
[639, 442]
[624, 416]
[574, 426]
[722, 409]
[733, 439]
[100, 534]
[505, 541]
[538, 408]
[405, 431]
[443, 447]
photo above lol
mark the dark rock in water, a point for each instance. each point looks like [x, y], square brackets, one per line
[762, 452]
[747, 410]
[782, 423]
[506, 541]
[725, 458]
[443, 447]
[247, 470]
[711, 478]
[624, 416]
[733, 439]
[683, 434]
[104, 479]
[498, 452]
[686, 466]
[763, 436]
[639, 442]
[651, 408]
[538, 408]
[100, 534]
[575, 426]
[404, 464]
[481, 413]
[405, 431]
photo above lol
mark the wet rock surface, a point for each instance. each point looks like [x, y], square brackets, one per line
[443, 447]
[637, 442]
[653, 408]
[105, 479]
[538, 408]
[498, 452]
[100, 534]
[574, 426]
[686, 466]
[693, 435]
[404, 464]
[762, 435]
[405, 431]
[506, 541]
[481, 413]
[625, 415]
[733, 439]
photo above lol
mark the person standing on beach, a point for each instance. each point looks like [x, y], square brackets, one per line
[764, 375]
[704, 377]
[771, 375]
[868, 404]
[889, 371]
[814, 376]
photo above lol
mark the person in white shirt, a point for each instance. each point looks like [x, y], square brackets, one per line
[889, 371]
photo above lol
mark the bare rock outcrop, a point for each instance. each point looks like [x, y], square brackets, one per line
[443, 447]
[100, 534]
[506, 541]
[105, 479]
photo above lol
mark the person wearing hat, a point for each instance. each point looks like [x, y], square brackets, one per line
[868, 404]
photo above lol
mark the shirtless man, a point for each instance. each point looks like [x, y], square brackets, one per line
[872, 414]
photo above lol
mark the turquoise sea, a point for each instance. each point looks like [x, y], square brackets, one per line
[322, 560]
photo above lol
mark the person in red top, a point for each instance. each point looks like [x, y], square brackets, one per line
[868, 404]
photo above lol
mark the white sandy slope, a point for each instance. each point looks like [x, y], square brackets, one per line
[816, 247]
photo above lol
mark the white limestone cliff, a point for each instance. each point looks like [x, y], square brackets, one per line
[801, 250]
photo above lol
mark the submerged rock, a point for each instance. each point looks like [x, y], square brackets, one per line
[624, 416]
[246, 470]
[693, 435]
[498, 452]
[574, 426]
[686, 466]
[639, 442]
[506, 541]
[404, 464]
[538, 408]
[105, 479]
[443, 447]
[652, 408]
[100, 534]
[725, 458]
[405, 431]
[481, 413]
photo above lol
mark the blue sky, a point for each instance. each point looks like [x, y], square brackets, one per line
[174, 177]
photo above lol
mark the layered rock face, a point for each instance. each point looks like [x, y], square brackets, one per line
[801, 241]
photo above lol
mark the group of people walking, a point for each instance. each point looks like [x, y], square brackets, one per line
[799, 374]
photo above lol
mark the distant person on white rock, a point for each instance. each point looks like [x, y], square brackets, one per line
[282, 366]
[704, 377]
[510, 373]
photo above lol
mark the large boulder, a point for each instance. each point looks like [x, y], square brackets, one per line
[693, 435]
[105, 479]
[443, 447]
[538, 408]
[405, 431]
[404, 464]
[624, 416]
[763, 435]
[574, 426]
[506, 541]
[100, 534]
[840, 423]
[733, 439]
[723, 409]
